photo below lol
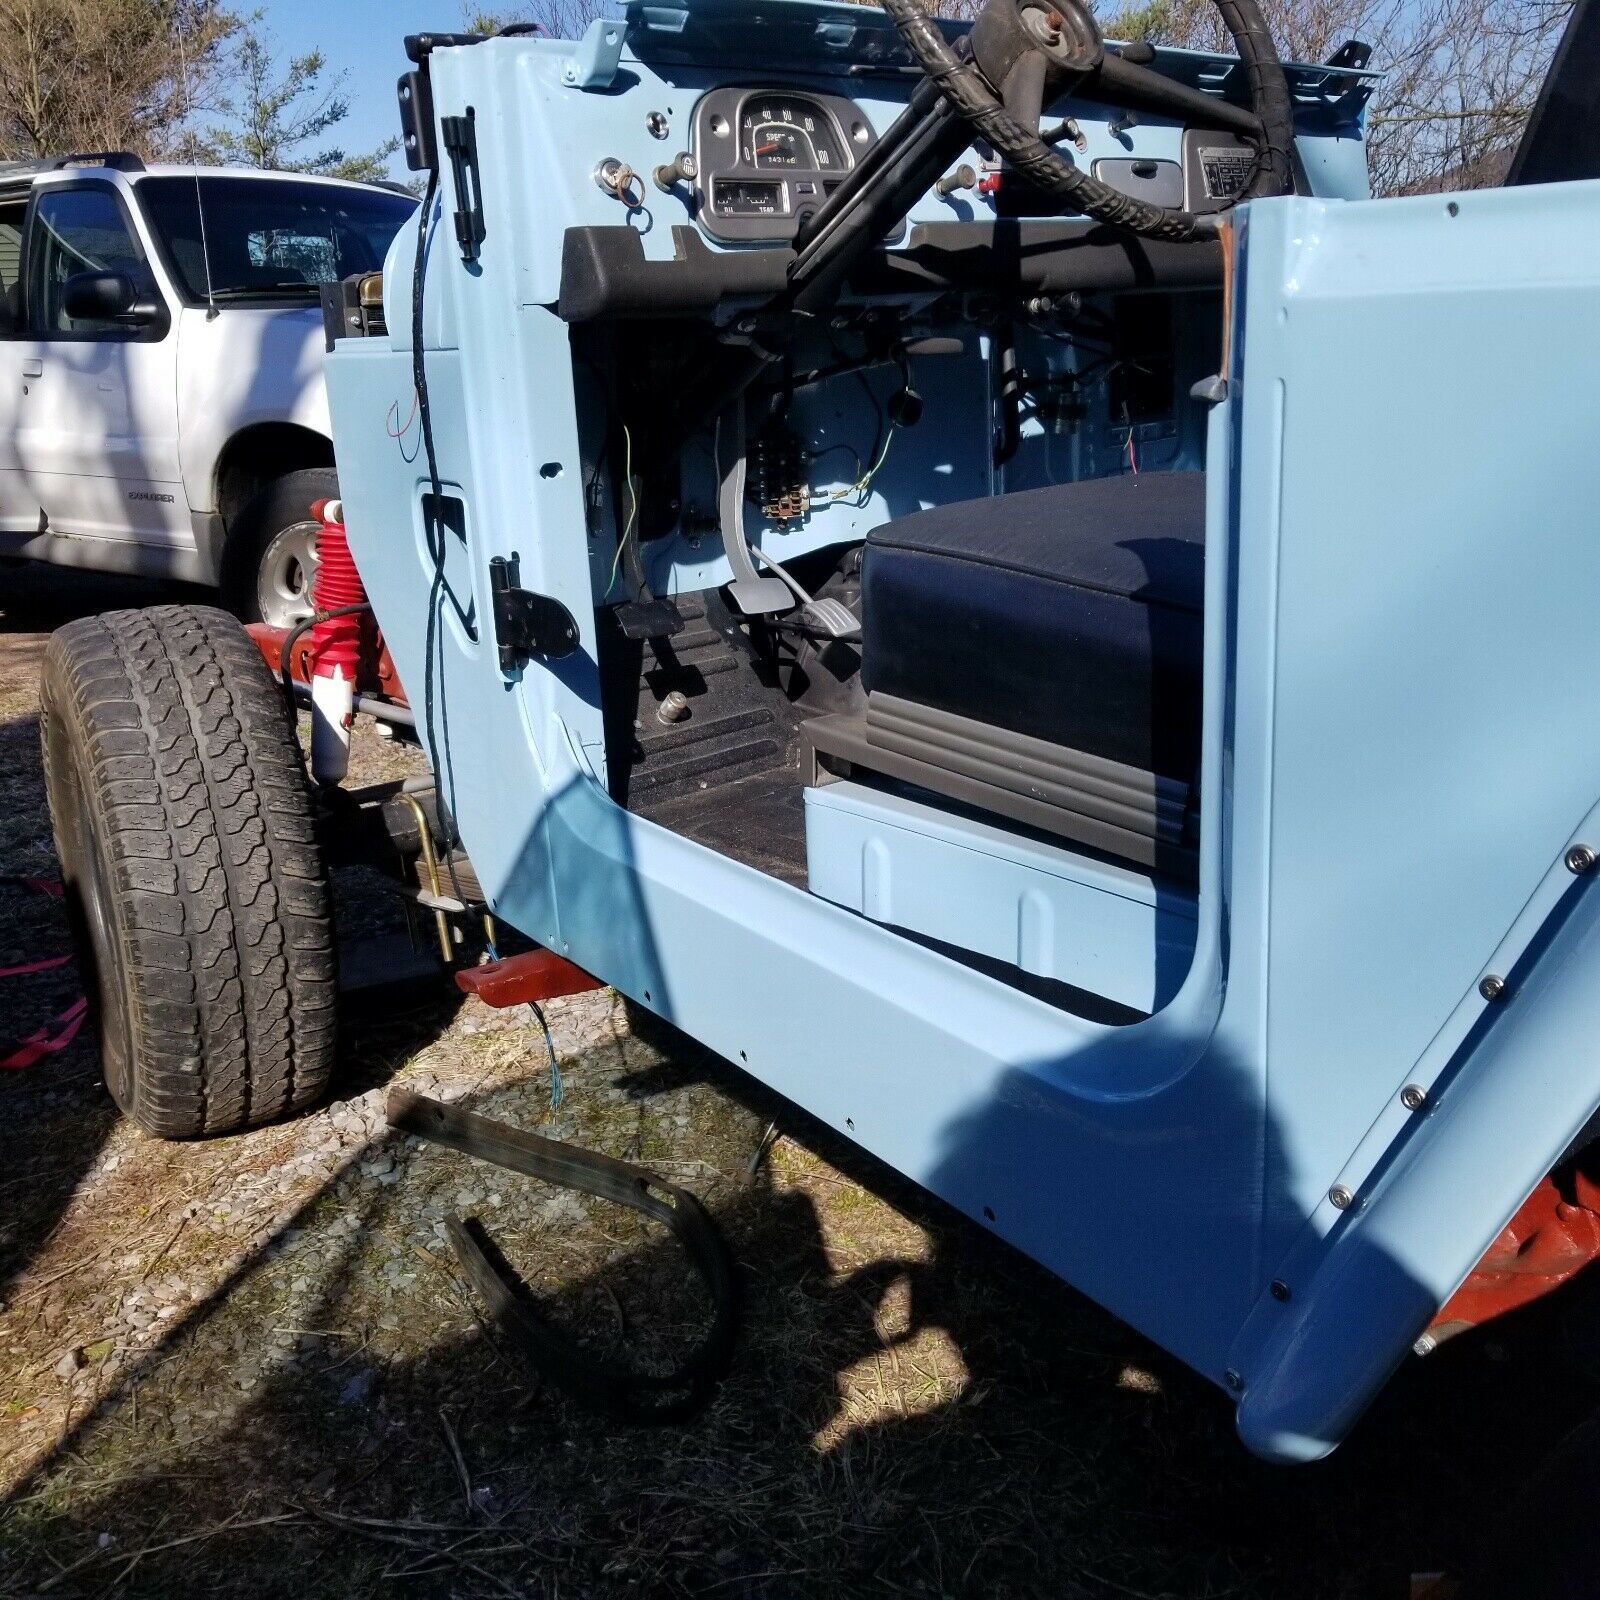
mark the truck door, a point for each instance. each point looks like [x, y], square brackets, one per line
[19, 513]
[97, 420]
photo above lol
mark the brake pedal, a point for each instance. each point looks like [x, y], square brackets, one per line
[754, 595]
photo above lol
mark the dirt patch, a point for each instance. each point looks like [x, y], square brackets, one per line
[251, 1368]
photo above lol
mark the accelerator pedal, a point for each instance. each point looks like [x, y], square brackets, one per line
[833, 619]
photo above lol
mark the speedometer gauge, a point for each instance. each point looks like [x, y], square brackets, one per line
[790, 131]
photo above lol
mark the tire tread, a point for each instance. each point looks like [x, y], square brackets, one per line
[220, 901]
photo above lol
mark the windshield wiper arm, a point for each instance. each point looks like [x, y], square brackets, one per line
[267, 291]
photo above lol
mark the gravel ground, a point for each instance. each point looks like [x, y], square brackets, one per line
[251, 1368]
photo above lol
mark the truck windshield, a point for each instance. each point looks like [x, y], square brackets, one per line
[269, 239]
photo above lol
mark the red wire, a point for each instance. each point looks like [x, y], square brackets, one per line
[394, 411]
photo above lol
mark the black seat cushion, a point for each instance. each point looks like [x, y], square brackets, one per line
[1072, 614]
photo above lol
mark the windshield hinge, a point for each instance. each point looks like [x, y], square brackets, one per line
[461, 145]
[527, 624]
[596, 56]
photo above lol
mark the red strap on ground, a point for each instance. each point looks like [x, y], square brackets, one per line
[37, 886]
[35, 966]
[52, 1038]
[60, 1031]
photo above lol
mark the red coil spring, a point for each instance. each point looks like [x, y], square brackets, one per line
[336, 642]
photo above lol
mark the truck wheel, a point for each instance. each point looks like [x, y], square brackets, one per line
[183, 820]
[269, 564]
[1545, 1544]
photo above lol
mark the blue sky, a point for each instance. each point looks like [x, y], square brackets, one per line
[365, 39]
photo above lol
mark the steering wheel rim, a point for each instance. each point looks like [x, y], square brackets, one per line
[965, 87]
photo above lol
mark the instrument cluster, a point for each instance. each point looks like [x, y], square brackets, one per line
[766, 156]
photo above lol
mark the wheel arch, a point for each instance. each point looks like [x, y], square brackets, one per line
[259, 455]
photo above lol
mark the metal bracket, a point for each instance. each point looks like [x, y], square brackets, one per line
[594, 63]
[1353, 53]
[527, 624]
[415, 90]
[416, 97]
[461, 145]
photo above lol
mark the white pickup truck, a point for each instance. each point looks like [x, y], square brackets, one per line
[161, 338]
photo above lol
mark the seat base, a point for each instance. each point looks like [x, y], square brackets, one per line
[1120, 811]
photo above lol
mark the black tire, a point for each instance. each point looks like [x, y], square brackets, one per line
[1545, 1544]
[184, 823]
[283, 505]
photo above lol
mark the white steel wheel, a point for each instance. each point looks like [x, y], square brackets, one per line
[286, 578]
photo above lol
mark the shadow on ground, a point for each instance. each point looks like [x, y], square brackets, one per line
[913, 1410]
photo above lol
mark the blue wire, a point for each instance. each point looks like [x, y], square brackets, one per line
[558, 1090]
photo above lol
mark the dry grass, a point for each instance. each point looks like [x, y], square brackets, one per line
[250, 1368]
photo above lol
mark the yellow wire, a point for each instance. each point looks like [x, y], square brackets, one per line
[864, 483]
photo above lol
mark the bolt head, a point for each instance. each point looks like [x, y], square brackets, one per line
[1233, 1381]
[1413, 1097]
[1281, 1291]
[1340, 1197]
[1580, 859]
[1492, 988]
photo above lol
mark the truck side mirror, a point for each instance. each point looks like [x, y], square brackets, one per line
[105, 297]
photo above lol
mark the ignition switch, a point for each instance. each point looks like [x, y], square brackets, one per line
[621, 182]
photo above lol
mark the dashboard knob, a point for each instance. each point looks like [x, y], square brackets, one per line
[962, 178]
[683, 168]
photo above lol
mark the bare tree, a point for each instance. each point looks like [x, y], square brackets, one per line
[561, 19]
[278, 116]
[1459, 76]
[106, 74]
[122, 74]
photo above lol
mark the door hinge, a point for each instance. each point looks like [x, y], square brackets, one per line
[527, 625]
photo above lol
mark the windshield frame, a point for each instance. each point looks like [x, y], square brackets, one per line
[232, 296]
